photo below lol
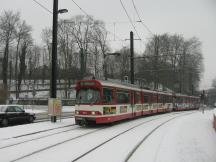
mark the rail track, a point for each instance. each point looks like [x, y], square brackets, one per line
[56, 144]
[85, 133]
[126, 131]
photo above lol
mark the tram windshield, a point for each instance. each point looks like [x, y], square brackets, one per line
[88, 96]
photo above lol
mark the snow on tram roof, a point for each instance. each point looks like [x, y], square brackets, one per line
[129, 86]
[184, 95]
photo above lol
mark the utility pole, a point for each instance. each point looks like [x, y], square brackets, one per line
[54, 49]
[132, 56]
[54, 53]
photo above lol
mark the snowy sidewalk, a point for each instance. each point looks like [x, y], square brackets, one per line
[188, 139]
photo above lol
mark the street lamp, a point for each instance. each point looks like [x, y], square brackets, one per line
[105, 65]
[61, 11]
[54, 50]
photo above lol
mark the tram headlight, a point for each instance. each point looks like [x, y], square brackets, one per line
[77, 112]
[93, 112]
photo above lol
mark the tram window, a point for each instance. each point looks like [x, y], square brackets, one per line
[160, 98]
[146, 99]
[154, 98]
[107, 95]
[88, 96]
[180, 100]
[137, 98]
[171, 99]
[163, 99]
[123, 97]
[166, 99]
[177, 100]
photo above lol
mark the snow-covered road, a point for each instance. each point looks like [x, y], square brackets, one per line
[172, 137]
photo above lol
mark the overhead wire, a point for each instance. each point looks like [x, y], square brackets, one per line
[81, 9]
[145, 26]
[43, 6]
[90, 16]
[132, 23]
[130, 19]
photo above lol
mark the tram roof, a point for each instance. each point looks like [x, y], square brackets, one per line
[128, 86]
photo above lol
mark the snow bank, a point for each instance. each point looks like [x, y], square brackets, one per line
[42, 108]
[68, 108]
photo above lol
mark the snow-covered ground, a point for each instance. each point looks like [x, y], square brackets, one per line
[187, 139]
[172, 137]
[42, 109]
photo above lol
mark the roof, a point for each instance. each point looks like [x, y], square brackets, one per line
[127, 86]
[134, 87]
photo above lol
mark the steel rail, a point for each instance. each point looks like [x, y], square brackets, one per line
[119, 134]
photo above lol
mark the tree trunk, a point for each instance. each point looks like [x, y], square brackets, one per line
[5, 65]
[22, 67]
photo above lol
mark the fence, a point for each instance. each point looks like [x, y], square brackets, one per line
[65, 102]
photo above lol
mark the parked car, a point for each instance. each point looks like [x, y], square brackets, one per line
[12, 114]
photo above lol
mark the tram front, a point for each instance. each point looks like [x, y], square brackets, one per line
[88, 102]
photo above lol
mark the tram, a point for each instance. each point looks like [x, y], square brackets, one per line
[101, 102]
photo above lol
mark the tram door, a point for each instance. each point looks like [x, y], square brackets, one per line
[133, 103]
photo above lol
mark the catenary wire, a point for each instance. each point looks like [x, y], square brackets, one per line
[81, 9]
[145, 26]
[43, 6]
[130, 19]
[131, 22]
[89, 16]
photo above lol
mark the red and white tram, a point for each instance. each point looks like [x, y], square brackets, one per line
[106, 102]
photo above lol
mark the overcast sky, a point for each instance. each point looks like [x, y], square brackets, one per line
[187, 17]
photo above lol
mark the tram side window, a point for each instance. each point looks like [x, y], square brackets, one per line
[171, 99]
[160, 98]
[137, 98]
[123, 97]
[167, 99]
[180, 100]
[108, 95]
[164, 99]
[146, 99]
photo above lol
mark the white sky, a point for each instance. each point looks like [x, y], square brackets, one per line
[187, 17]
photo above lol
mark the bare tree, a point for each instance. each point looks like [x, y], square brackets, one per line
[66, 49]
[8, 24]
[22, 36]
[25, 44]
[173, 62]
[119, 66]
[99, 35]
[47, 39]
